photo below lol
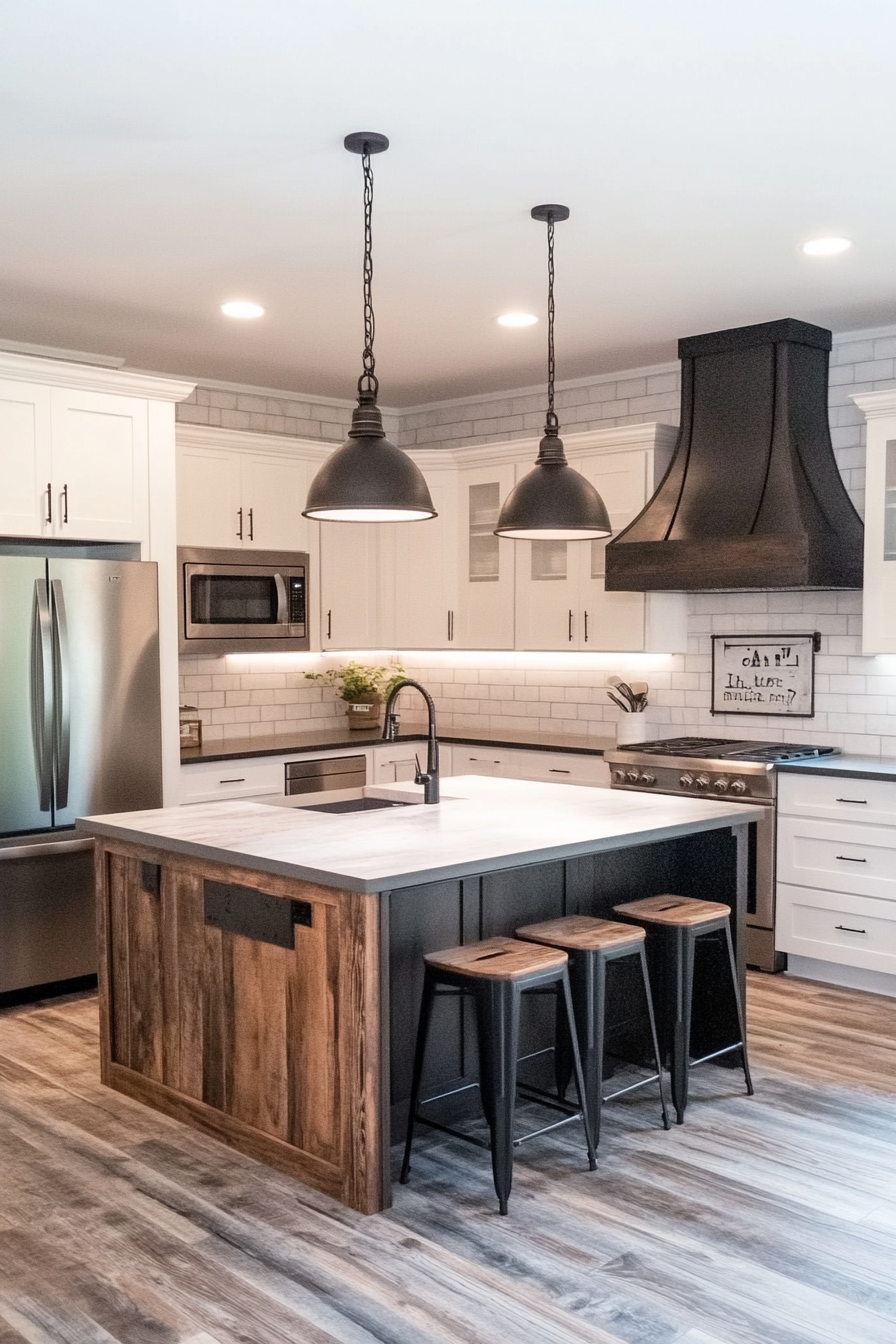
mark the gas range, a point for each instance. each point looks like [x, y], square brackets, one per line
[715, 767]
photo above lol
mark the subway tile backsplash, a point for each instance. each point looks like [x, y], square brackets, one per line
[565, 693]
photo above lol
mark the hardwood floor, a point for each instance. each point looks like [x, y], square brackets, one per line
[763, 1220]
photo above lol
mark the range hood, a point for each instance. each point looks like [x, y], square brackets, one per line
[752, 497]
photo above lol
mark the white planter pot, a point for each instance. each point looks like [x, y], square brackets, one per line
[633, 728]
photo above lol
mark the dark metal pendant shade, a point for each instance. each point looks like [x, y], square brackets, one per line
[368, 479]
[553, 502]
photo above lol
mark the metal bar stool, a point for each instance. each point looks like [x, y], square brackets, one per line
[676, 922]
[496, 973]
[591, 945]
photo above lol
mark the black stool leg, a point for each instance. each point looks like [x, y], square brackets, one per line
[588, 984]
[739, 1007]
[498, 1010]
[683, 942]
[426, 1003]
[648, 999]
[587, 1115]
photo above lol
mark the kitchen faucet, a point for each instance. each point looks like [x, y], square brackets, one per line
[430, 778]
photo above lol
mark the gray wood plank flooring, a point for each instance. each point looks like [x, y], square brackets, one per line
[763, 1220]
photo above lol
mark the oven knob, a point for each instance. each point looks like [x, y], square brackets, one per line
[686, 781]
[702, 781]
[721, 786]
[619, 777]
[633, 777]
[647, 780]
[738, 787]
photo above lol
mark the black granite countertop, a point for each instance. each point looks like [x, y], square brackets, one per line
[851, 767]
[284, 744]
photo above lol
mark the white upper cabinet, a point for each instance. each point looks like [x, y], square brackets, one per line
[418, 568]
[100, 465]
[25, 459]
[240, 497]
[561, 601]
[75, 448]
[485, 563]
[879, 596]
[350, 585]
[75, 464]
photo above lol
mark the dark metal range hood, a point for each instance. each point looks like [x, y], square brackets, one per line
[752, 497]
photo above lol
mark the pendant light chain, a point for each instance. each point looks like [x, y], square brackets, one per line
[551, 421]
[368, 380]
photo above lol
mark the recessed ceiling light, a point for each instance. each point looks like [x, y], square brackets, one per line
[241, 308]
[517, 320]
[826, 247]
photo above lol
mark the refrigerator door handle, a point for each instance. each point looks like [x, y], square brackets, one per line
[42, 693]
[62, 724]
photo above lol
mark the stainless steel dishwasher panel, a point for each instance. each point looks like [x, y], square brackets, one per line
[324, 775]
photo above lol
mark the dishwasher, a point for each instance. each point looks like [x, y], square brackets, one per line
[325, 774]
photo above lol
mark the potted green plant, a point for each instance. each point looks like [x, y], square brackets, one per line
[363, 688]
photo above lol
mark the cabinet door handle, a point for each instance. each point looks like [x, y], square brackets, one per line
[450, 626]
[239, 514]
[65, 503]
[863, 802]
[49, 501]
[570, 625]
[847, 929]
[586, 627]
[555, 770]
[847, 858]
[329, 625]
[251, 526]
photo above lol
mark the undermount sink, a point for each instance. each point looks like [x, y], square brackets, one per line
[358, 805]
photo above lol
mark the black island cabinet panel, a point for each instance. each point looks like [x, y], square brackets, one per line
[445, 914]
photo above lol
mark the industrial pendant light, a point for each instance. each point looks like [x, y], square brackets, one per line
[368, 479]
[552, 502]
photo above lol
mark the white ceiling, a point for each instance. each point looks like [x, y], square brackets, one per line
[160, 158]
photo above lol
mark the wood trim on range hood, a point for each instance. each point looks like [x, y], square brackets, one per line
[753, 498]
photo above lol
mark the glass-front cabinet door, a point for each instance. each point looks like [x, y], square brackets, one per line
[879, 593]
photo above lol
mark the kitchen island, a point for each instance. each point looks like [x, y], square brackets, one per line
[260, 966]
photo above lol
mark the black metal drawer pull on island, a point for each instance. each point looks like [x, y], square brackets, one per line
[846, 929]
[861, 802]
[847, 858]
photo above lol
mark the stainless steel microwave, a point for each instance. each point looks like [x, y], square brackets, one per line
[242, 601]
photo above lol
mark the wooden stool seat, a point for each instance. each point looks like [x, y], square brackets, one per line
[678, 911]
[582, 933]
[496, 959]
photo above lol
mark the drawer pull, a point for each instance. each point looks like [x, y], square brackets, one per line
[241, 780]
[847, 929]
[555, 770]
[847, 858]
[862, 802]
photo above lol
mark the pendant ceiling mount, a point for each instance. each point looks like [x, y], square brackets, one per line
[368, 479]
[552, 502]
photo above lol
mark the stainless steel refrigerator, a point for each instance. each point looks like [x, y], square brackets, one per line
[80, 733]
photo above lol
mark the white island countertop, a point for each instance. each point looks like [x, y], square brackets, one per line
[481, 825]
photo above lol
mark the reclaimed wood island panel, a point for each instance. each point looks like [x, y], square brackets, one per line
[242, 994]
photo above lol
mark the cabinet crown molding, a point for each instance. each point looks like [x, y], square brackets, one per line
[91, 378]
[252, 441]
[876, 404]
[648, 434]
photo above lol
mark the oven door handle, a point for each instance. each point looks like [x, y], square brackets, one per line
[282, 601]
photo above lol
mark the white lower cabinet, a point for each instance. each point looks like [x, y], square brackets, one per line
[246, 777]
[836, 892]
[394, 762]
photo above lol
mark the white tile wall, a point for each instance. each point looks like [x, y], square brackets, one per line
[564, 693]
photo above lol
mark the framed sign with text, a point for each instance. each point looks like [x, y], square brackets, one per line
[764, 674]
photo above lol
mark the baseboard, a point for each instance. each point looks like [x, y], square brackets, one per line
[833, 973]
